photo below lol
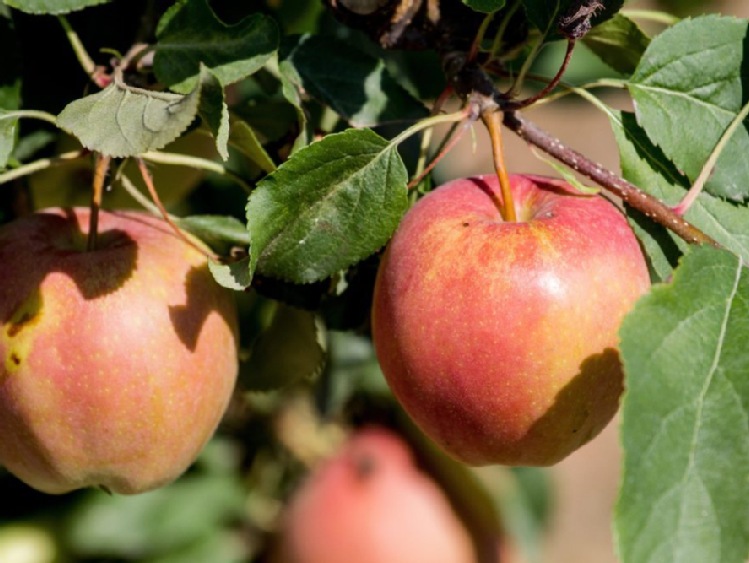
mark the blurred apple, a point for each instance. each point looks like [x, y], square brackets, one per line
[116, 364]
[370, 503]
[500, 338]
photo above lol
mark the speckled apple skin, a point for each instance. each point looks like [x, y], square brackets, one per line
[501, 339]
[116, 365]
[370, 503]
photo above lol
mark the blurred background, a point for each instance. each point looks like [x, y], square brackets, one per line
[227, 507]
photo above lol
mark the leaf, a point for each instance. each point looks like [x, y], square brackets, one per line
[243, 138]
[52, 6]
[290, 85]
[124, 121]
[233, 275]
[216, 228]
[618, 42]
[214, 111]
[644, 165]
[685, 420]
[290, 349]
[485, 6]
[156, 522]
[189, 34]
[330, 205]
[355, 84]
[10, 89]
[544, 14]
[688, 87]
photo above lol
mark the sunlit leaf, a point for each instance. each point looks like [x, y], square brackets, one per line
[685, 417]
[122, 120]
[332, 204]
[689, 86]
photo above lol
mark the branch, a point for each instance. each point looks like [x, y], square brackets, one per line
[629, 193]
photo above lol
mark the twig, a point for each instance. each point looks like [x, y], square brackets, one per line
[553, 83]
[629, 193]
[97, 190]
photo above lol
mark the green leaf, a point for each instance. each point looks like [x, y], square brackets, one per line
[52, 6]
[290, 90]
[290, 349]
[189, 34]
[156, 522]
[125, 121]
[690, 84]
[216, 228]
[645, 165]
[329, 206]
[232, 275]
[355, 84]
[618, 42]
[685, 417]
[544, 14]
[10, 89]
[485, 6]
[214, 111]
[243, 138]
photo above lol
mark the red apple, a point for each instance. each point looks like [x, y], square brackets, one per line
[369, 503]
[117, 364]
[500, 339]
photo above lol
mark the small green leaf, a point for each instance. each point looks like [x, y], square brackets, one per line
[329, 206]
[125, 121]
[243, 138]
[685, 417]
[213, 111]
[485, 6]
[233, 275]
[290, 86]
[355, 84]
[52, 6]
[618, 42]
[189, 34]
[688, 87]
[290, 349]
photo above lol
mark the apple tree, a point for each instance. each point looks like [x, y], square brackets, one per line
[288, 142]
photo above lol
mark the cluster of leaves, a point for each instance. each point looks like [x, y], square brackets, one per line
[312, 129]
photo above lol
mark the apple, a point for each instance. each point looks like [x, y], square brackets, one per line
[116, 364]
[370, 503]
[500, 339]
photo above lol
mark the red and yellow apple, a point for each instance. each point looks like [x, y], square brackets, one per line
[370, 503]
[116, 364]
[500, 339]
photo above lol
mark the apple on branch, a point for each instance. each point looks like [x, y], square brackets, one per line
[116, 364]
[500, 338]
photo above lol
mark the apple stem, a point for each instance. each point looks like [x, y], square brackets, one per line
[97, 194]
[493, 121]
[148, 180]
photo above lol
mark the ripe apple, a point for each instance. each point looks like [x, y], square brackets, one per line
[500, 339]
[370, 503]
[117, 364]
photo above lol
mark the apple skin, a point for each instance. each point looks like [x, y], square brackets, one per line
[370, 503]
[116, 365]
[501, 339]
